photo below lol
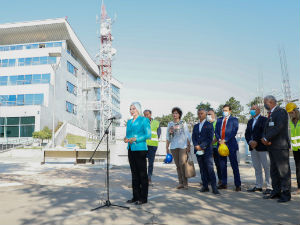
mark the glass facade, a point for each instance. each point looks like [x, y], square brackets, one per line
[72, 69]
[25, 79]
[71, 88]
[30, 61]
[115, 102]
[17, 126]
[23, 99]
[30, 46]
[71, 108]
[115, 90]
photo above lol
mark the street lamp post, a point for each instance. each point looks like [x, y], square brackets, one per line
[54, 67]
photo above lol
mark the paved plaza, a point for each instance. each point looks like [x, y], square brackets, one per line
[61, 193]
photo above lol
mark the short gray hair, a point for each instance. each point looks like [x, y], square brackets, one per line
[271, 97]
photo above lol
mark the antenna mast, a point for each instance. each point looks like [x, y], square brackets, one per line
[106, 54]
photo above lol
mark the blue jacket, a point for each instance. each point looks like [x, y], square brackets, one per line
[141, 130]
[231, 130]
[205, 137]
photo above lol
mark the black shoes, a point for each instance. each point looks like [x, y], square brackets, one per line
[203, 189]
[137, 202]
[131, 201]
[238, 188]
[267, 191]
[216, 192]
[222, 186]
[140, 202]
[272, 195]
[254, 189]
[284, 197]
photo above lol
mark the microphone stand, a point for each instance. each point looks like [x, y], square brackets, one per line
[107, 202]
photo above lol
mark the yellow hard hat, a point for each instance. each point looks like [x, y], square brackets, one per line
[290, 107]
[223, 150]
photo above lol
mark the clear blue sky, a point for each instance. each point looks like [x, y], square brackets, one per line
[179, 53]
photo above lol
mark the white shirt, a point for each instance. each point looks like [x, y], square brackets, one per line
[225, 125]
[180, 136]
[201, 125]
[273, 109]
[255, 120]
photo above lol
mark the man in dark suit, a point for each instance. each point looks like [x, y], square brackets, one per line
[226, 130]
[203, 133]
[276, 138]
[254, 132]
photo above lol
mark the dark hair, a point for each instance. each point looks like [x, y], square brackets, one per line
[227, 106]
[211, 110]
[177, 109]
[148, 110]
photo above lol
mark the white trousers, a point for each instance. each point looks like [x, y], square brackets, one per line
[259, 160]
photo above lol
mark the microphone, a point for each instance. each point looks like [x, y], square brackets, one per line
[116, 117]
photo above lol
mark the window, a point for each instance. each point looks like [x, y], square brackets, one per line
[12, 131]
[72, 69]
[21, 62]
[28, 79]
[20, 79]
[98, 94]
[4, 63]
[28, 61]
[3, 100]
[28, 120]
[36, 78]
[57, 44]
[30, 46]
[25, 79]
[20, 99]
[36, 61]
[11, 62]
[3, 80]
[71, 108]
[13, 120]
[26, 131]
[28, 99]
[38, 99]
[2, 129]
[2, 121]
[17, 126]
[45, 78]
[71, 88]
[12, 100]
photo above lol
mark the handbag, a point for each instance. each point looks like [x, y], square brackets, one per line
[189, 168]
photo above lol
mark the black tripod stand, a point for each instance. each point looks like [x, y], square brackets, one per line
[107, 202]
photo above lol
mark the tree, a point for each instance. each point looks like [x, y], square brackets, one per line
[189, 118]
[205, 106]
[236, 106]
[236, 109]
[46, 133]
[164, 120]
[256, 101]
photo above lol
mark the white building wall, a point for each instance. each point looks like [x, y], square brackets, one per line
[86, 115]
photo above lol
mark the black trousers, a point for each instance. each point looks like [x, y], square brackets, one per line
[297, 163]
[280, 170]
[138, 166]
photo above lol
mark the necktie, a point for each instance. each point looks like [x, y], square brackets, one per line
[269, 114]
[223, 128]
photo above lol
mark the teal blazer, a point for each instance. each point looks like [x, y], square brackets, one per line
[141, 130]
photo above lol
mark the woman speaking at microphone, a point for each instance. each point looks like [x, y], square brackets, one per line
[137, 132]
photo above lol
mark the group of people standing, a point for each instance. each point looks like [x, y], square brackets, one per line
[267, 137]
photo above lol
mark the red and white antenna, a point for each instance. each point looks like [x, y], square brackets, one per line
[106, 55]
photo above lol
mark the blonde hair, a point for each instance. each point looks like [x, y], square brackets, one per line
[138, 106]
